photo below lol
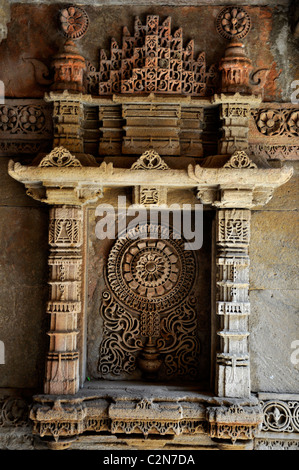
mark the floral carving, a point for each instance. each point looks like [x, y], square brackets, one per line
[24, 119]
[233, 22]
[277, 122]
[74, 22]
[60, 157]
[150, 160]
[150, 273]
[293, 123]
[8, 118]
[149, 296]
[281, 416]
[276, 152]
[32, 119]
[239, 160]
[269, 122]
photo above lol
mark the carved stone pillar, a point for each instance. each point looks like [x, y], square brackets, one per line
[234, 114]
[64, 305]
[68, 117]
[232, 302]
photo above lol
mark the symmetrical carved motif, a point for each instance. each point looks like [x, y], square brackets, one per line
[233, 22]
[60, 157]
[161, 427]
[239, 160]
[74, 22]
[23, 119]
[280, 415]
[277, 122]
[59, 420]
[125, 335]
[153, 60]
[276, 444]
[25, 126]
[150, 195]
[150, 281]
[234, 422]
[150, 160]
[152, 272]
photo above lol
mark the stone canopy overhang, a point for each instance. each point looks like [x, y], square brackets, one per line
[85, 182]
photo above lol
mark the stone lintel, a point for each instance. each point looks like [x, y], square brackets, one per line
[220, 187]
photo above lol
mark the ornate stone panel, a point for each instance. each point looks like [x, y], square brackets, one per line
[274, 131]
[149, 308]
[25, 126]
[152, 60]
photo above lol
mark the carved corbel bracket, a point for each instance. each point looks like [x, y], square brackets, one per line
[54, 179]
[240, 182]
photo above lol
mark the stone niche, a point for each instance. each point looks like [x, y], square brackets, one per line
[169, 298]
[147, 338]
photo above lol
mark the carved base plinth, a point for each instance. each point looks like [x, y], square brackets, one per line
[234, 423]
[140, 410]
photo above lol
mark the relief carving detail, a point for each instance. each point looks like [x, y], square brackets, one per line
[149, 310]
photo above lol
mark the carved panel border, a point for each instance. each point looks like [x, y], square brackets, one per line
[25, 126]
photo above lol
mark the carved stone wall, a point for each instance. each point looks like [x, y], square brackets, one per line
[127, 309]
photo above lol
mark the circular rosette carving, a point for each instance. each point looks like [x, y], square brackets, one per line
[74, 22]
[8, 119]
[269, 122]
[32, 119]
[277, 417]
[150, 272]
[233, 23]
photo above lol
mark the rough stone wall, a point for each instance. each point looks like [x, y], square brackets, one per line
[23, 285]
[274, 321]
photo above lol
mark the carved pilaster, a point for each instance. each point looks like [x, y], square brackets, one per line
[234, 112]
[234, 118]
[232, 302]
[64, 305]
[68, 117]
